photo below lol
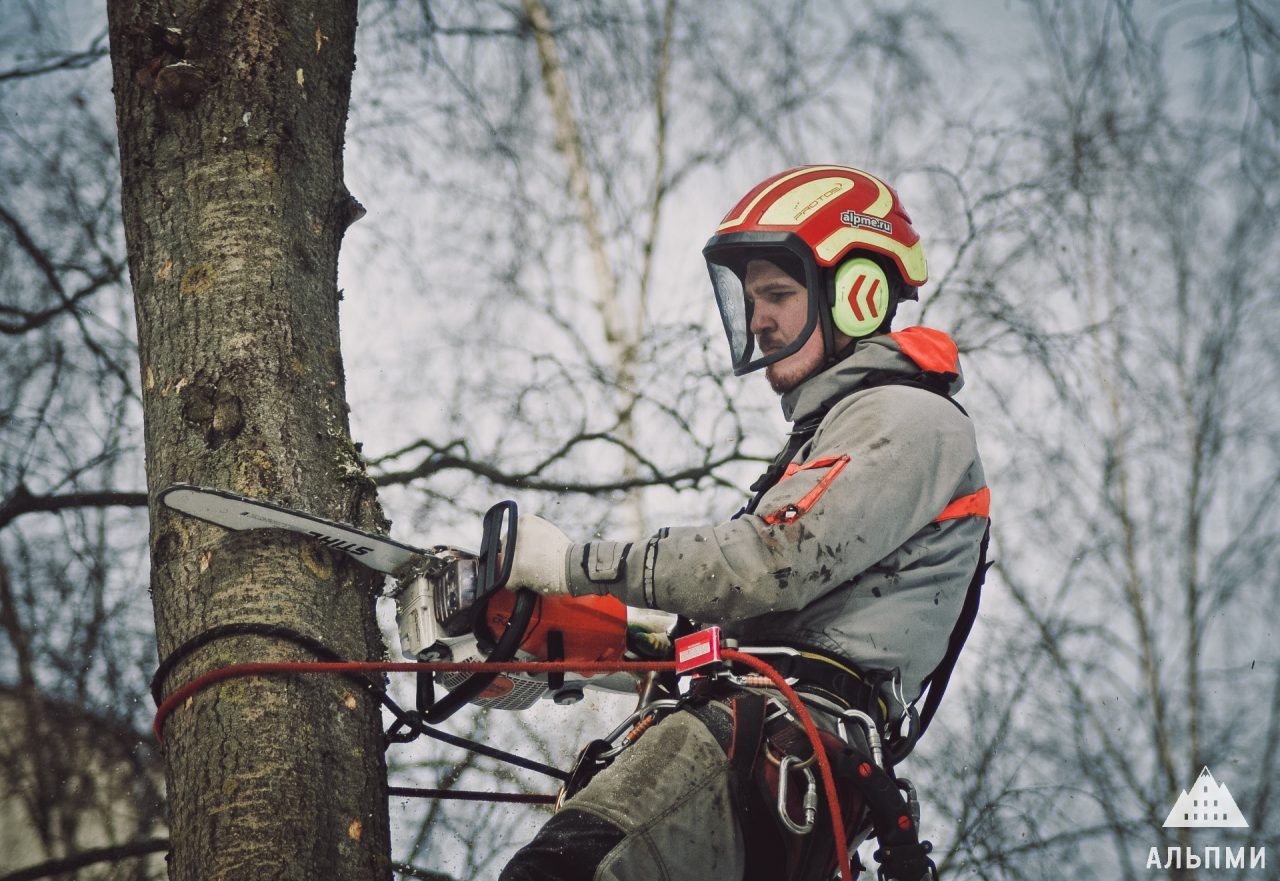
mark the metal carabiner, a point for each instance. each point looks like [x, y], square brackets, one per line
[631, 722]
[868, 725]
[810, 797]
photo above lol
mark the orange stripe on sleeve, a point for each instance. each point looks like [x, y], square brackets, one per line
[974, 505]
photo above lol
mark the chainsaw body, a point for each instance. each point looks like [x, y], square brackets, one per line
[436, 617]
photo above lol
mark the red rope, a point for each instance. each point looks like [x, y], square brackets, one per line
[236, 671]
[824, 764]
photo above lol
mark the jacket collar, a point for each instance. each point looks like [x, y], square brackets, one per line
[903, 354]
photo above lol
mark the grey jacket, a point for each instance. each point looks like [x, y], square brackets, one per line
[865, 548]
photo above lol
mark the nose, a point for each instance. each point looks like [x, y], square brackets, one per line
[762, 319]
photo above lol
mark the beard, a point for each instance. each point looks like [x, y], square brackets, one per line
[780, 380]
[794, 369]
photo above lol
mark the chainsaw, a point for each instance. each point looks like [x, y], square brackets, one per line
[451, 605]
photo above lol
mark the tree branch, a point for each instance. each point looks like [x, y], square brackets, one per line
[34, 251]
[21, 501]
[97, 855]
[408, 871]
[444, 462]
[73, 61]
[27, 320]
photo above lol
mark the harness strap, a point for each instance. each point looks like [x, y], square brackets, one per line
[787, 739]
[776, 852]
[800, 435]
[941, 675]
[835, 680]
[748, 731]
[772, 852]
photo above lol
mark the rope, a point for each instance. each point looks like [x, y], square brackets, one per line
[239, 671]
[240, 628]
[483, 749]
[824, 764]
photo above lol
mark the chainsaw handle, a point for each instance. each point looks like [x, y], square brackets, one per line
[505, 650]
[492, 578]
[491, 544]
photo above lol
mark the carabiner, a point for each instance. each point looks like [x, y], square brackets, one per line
[810, 797]
[868, 725]
[631, 722]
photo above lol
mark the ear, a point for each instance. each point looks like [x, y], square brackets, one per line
[863, 299]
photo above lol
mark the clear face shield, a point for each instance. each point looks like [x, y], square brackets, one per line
[765, 293]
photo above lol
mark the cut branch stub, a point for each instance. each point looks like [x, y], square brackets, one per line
[180, 85]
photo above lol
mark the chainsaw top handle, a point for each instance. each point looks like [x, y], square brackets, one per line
[492, 577]
[491, 544]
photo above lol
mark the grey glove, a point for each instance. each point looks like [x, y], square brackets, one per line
[539, 562]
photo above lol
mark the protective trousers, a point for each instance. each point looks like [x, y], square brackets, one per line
[678, 805]
[665, 810]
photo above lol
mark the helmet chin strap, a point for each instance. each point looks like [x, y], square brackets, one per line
[831, 355]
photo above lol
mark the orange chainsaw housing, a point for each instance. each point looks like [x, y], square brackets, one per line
[594, 628]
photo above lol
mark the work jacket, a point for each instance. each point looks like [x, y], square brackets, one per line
[866, 546]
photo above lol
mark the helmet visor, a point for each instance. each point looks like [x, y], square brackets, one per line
[765, 299]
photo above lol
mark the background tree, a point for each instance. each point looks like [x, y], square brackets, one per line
[76, 644]
[1144, 547]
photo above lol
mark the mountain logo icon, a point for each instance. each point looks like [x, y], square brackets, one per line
[1207, 806]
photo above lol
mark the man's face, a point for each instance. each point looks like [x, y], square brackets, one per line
[780, 308]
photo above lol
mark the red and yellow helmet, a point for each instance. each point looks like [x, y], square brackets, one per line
[829, 218]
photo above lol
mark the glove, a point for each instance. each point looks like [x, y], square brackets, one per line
[539, 562]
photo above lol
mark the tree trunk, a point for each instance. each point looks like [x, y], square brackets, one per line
[231, 119]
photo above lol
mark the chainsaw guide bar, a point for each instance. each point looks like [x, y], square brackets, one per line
[241, 513]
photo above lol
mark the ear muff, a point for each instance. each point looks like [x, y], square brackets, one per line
[862, 297]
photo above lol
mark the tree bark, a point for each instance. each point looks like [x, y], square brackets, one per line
[231, 118]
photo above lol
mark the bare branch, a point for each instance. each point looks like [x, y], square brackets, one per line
[97, 855]
[685, 478]
[71, 61]
[407, 871]
[34, 251]
[21, 501]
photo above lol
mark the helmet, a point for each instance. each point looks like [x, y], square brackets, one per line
[838, 231]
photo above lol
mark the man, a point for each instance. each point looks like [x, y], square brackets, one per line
[858, 549]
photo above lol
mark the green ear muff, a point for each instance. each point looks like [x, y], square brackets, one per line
[861, 297]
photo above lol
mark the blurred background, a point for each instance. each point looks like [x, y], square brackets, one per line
[527, 315]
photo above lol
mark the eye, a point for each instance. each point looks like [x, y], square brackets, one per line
[778, 296]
